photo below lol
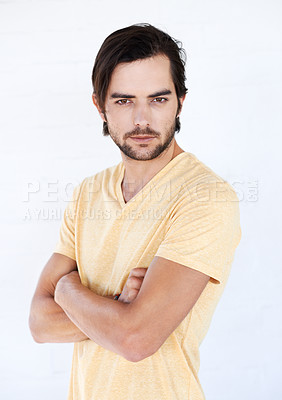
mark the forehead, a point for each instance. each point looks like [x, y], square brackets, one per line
[144, 76]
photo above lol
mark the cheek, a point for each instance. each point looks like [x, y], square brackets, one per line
[119, 118]
[116, 120]
[117, 124]
[167, 116]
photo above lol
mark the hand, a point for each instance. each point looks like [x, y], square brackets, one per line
[132, 285]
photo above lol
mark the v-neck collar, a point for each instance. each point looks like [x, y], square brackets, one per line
[145, 188]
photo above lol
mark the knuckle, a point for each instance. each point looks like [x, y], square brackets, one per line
[135, 282]
[138, 271]
[133, 279]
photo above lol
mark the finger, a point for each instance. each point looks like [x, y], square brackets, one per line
[132, 294]
[139, 272]
[134, 282]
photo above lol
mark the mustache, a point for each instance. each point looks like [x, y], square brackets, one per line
[142, 132]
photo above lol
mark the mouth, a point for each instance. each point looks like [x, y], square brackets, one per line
[142, 139]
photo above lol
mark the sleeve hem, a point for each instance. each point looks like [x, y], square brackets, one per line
[192, 263]
[65, 252]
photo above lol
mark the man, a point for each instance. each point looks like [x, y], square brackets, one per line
[160, 227]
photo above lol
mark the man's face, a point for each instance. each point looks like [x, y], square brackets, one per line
[141, 107]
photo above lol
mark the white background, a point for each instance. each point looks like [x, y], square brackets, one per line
[51, 134]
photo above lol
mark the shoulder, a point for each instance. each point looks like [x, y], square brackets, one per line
[94, 183]
[104, 174]
[201, 194]
[194, 180]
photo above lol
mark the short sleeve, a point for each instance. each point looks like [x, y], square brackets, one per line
[66, 242]
[204, 233]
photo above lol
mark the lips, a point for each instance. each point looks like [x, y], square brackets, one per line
[142, 138]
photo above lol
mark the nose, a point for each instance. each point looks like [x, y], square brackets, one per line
[142, 115]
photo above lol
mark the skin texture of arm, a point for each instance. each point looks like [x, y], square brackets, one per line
[48, 321]
[137, 329]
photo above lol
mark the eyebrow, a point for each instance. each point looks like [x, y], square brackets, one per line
[117, 95]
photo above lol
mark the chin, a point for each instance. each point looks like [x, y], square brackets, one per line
[142, 155]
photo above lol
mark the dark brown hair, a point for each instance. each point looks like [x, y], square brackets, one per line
[133, 43]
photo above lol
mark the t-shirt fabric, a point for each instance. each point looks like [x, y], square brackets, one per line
[185, 213]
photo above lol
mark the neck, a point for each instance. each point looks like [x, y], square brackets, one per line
[138, 173]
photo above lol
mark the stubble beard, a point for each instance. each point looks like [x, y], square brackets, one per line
[142, 155]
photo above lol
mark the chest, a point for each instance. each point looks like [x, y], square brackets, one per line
[113, 241]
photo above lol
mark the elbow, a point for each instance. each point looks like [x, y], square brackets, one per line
[34, 330]
[137, 348]
[37, 339]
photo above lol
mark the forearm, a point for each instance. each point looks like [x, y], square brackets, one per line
[105, 321]
[49, 323]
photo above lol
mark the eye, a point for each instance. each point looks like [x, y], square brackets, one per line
[122, 102]
[160, 100]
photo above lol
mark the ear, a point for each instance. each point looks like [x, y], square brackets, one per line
[95, 102]
[181, 100]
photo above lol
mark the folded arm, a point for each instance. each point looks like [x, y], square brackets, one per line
[134, 330]
[48, 322]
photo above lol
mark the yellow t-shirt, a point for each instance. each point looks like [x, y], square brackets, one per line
[185, 213]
